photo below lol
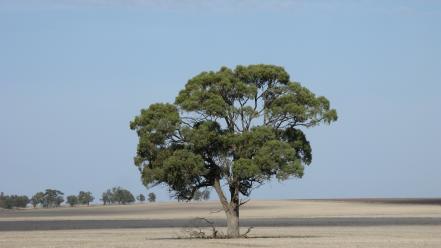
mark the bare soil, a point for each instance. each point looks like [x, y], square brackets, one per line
[297, 223]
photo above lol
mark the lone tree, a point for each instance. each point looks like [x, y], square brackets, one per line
[152, 197]
[140, 198]
[232, 130]
[206, 195]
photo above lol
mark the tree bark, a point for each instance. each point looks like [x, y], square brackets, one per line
[231, 210]
[233, 213]
[233, 229]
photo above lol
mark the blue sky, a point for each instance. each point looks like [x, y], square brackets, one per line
[74, 73]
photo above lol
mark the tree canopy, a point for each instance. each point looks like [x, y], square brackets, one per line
[201, 195]
[140, 198]
[117, 195]
[52, 198]
[85, 198]
[152, 197]
[13, 201]
[234, 129]
[72, 200]
[37, 199]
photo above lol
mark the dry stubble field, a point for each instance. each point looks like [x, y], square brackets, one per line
[424, 232]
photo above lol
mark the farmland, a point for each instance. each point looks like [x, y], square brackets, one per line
[306, 223]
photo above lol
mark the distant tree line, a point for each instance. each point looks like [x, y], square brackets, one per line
[83, 198]
[119, 195]
[13, 201]
[151, 197]
[201, 195]
[52, 198]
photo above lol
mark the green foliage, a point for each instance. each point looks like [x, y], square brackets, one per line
[151, 197]
[72, 200]
[117, 195]
[85, 198]
[200, 195]
[7, 202]
[13, 201]
[122, 196]
[106, 197]
[52, 198]
[37, 199]
[21, 201]
[241, 126]
[140, 198]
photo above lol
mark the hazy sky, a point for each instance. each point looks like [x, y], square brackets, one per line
[74, 73]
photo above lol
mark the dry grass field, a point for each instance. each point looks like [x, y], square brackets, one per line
[357, 235]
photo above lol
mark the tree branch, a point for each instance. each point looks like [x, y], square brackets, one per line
[221, 194]
[244, 202]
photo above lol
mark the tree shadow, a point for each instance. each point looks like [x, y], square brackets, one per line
[248, 237]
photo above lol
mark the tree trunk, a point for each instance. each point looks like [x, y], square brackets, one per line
[231, 209]
[233, 223]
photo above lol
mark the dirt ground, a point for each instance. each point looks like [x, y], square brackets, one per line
[315, 237]
[253, 209]
[402, 236]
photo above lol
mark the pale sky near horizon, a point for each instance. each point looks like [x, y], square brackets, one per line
[73, 73]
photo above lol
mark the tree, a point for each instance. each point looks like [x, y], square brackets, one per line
[2, 200]
[72, 200]
[7, 202]
[126, 197]
[140, 198]
[52, 198]
[232, 130]
[122, 196]
[197, 196]
[201, 195]
[206, 195]
[85, 198]
[21, 201]
[13, 201]
[106, 197]
[117, 195]
[152, 197]
[37, 199]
